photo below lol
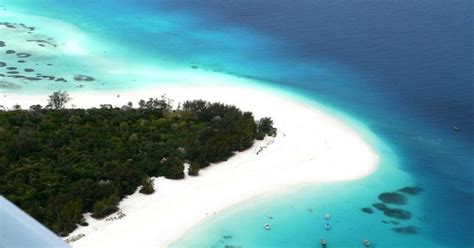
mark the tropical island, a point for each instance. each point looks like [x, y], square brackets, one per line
[310, 147]
[58, 163]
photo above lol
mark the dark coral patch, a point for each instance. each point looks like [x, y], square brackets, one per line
[380, 206]
[397, 213]
[83, 78]
[21, 61]
[23, 55]
[27, 78]
[10, 52]
[367, 210]
[406, 230]
[3, 64]
[411, 190]
[393, 212]
[2, 43]
[11, 68]
[12, 72]
[7, 24]
[390, 222]
[45, 77]
[29, 70]
[43, 42]
[393, 198]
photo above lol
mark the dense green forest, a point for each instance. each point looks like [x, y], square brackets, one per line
[58, 163]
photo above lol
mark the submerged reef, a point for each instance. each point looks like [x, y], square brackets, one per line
[393, 198]
[397, 213]
[45, 76]
[20, 64]
[411, 190]
[367, 210]
[83, 78]
[16, 26]
[23, 55]
[379, 206]
[398, 197]
[406, 230]
[42, 43]
[390, 222]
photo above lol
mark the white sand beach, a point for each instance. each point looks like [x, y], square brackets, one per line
[311, 147]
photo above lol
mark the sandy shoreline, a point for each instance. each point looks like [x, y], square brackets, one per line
[311, 147]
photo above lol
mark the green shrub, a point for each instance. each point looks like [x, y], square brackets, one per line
[147, 186]
[105, 207]
[194, 169]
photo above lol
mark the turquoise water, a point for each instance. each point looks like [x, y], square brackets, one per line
[298, 215]
[399, 70]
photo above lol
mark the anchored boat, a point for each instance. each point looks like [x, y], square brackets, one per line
[267, 226]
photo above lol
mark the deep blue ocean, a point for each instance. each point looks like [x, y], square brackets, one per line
[403, 68]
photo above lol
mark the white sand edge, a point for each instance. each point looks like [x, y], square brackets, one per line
[311, 147]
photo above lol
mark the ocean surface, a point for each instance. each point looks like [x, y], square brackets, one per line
[399, 71]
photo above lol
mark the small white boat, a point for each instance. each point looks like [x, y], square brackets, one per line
[366, 243]
[267, 226]
[327, 216]
[323, 243]
[327, 226]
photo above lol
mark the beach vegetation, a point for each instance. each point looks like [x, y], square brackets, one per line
[147, 186]
[105, 206]
[58, 100]
[194, 169]
[58, 163]
[265, 127]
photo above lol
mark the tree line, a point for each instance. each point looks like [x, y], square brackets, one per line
[58, 163]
